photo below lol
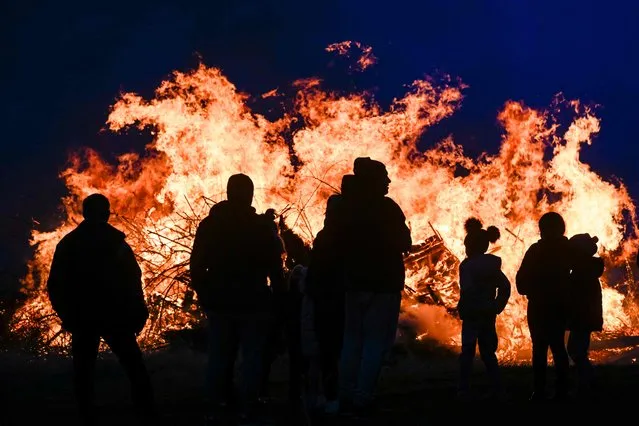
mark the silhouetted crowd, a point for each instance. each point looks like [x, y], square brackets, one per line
[337, 302]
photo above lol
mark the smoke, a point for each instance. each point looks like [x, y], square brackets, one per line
[431, 322]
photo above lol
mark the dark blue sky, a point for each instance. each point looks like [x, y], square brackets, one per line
[64, 64]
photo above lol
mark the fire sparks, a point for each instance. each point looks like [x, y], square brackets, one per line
[345, 48]
[204, 132]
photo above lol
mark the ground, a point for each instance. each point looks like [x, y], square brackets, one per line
[418, 389]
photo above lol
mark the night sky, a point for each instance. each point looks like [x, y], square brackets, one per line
[65, 63]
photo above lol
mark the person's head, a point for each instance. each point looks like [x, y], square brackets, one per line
[239, 189]
[551, 225]
[96, 208]
[372, 174]
[478, 239]
[583, 245]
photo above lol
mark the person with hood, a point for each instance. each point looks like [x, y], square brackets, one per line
[484, 293]
[543, 277]
[236, 255]
[586, 307]
[95, 287]
[373, 238]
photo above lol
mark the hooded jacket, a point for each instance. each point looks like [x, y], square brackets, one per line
[235, 254]
[484, 288]
[95, 282]
[586, 302]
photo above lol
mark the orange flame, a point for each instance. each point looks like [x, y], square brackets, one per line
[204, 132]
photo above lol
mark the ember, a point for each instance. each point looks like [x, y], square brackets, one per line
[204, 132]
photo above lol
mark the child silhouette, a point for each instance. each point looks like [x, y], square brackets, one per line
[484, 293]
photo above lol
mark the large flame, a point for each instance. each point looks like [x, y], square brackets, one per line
[203, 131]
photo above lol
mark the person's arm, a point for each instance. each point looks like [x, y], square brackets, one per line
[524, 280]
[400, 232]
[503, 292]
[139, 311]
[58, 280]
[132, 268]
[598, 266]
[465, 285]
[197, 264]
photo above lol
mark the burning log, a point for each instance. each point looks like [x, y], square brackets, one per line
[432, 273]
[204, 130]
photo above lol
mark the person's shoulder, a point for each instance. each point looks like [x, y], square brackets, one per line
[67, 240]
[390, 202]
[493, 257]
[114, 232]
[534, 247]
[493, 260]
[392, 206]
[207, 223]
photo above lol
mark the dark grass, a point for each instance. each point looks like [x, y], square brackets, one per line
[418, 389]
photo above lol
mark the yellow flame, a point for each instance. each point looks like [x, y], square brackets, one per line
[204, 132]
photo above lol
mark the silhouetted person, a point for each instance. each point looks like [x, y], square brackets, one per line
[276, 342]
[235, 253]
[585, 308]
[484, 293]
[284, 335]
[297, 254]
[373, 238]
[95, 287]
[543, 277]
[326, 287]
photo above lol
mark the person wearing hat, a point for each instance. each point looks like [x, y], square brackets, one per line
[373, 239]
[585, 312]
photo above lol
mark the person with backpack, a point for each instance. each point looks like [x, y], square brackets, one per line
[484, 293]
[95, 287]
[236, 254]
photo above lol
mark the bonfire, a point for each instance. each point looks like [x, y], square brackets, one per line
[203, 130]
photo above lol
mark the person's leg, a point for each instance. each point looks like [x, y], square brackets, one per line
[295, 356]
[578, 346]
[272, 349]
[350, 356]
[329, 328]
[380, 319]
[230, 398]
[467, 355]
[556, 341]
[488, 342]
[222, 338]
[125, 347]
[252, 339]
[84, 349]
[539, 358]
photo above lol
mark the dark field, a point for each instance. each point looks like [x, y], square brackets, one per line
[418, 389]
